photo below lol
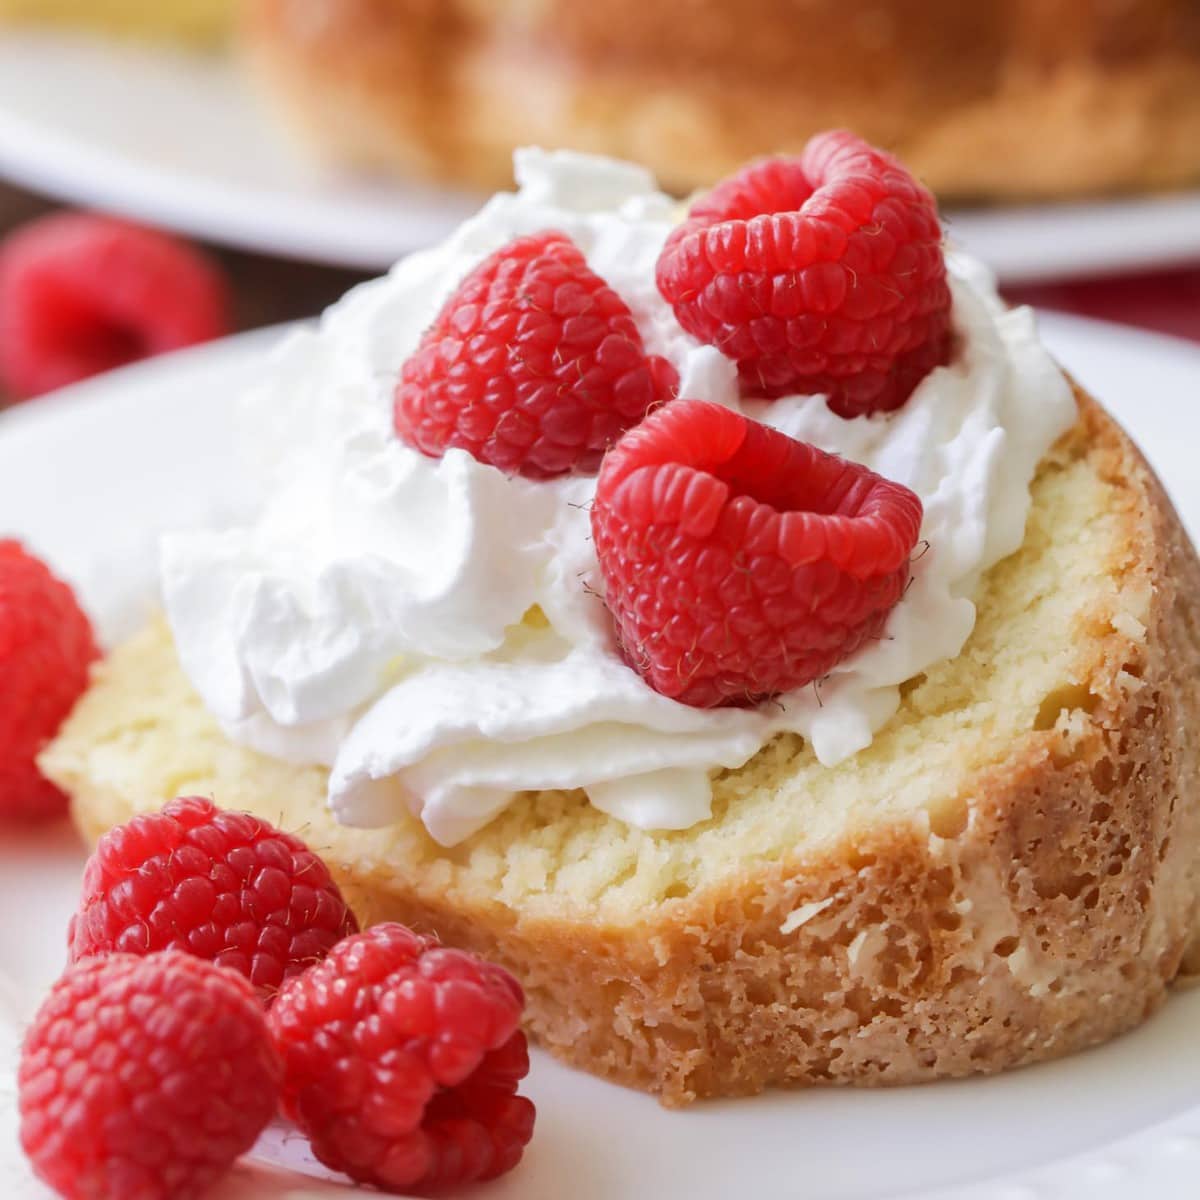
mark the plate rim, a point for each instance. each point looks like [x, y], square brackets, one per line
[59, 162]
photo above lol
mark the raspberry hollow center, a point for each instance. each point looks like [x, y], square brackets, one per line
[701, 465]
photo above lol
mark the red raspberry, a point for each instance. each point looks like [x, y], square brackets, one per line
[401, 1062]
[533, 365]
[82, 293]
[46, 647]
[145, 1078]
[740, 563]
[817, 274]
[220, 885]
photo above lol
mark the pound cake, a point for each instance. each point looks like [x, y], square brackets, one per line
[747, 778]
[995, 99]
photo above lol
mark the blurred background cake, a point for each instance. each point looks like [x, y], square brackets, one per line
[997, 100]
[197, 21]
[987, 100]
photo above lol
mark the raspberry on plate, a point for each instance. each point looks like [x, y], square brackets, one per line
[740, 563]
[401, 1062]
[817, 274]
[534, 365]
[224, 886]
[46, 648]
[145, 1078]
[81, 293]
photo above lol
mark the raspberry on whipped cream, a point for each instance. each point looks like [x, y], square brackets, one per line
[819, 272]
[431, 629]
[739, 563]
[534, 365]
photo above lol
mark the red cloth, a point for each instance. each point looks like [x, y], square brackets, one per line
[1165, 301]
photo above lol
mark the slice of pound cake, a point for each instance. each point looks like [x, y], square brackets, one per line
[837, 725]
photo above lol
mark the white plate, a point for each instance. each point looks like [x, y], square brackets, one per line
[178, 140]
[88, 476]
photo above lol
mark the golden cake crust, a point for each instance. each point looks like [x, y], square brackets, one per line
[1021, 98]
[1036, 894]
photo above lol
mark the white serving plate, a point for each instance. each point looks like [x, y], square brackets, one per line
[178, 140]
[88, 478]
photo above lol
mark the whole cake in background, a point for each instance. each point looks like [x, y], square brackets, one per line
[991, 99]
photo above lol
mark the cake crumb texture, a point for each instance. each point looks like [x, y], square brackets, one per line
[1010, 872]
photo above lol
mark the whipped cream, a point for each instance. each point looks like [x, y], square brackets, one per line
[431, 630]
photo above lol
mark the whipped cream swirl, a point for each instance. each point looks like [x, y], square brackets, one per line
[431, 630]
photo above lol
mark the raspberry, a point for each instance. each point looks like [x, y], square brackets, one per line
[82, 293]
[220, 885]
[401, 1062]
[740, 563]
[817, 274]
[534, 365]
[145, 1078]
[46, 647]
